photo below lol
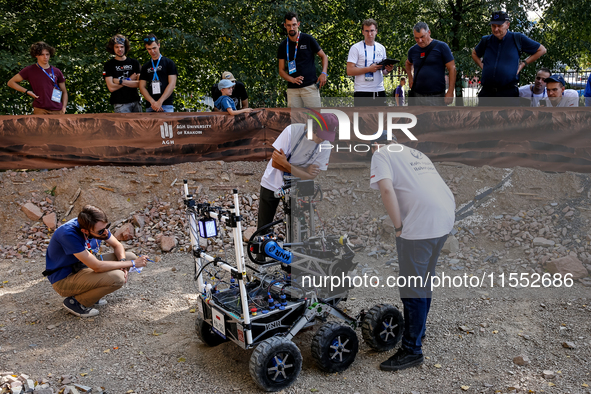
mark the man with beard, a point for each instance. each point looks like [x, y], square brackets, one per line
[122, 76]
[77, 269]
[536, 91]
[296, 65]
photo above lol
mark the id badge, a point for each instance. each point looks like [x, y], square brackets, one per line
[368, 77]
[291, 67]
[56, 95]
[156, 87]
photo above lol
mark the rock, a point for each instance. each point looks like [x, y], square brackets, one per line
[547, 374]
[82, 388]
[546, 243]
[569, 345]
[32, 211]
[138, 220]
[167, 243]
[464, 328]
[125, 233]
[567, 265]
[521, 360]
[452, 245]
[246, 234]
[50, 221]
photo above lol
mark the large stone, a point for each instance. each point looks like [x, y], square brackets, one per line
[32, 211]
[138, 220]
[167, 243]
[125, 232]
[546, 243]
[50, 221]
[452, 245]
[246, 234]
[521, 360]
[567, 265]
[548, 374]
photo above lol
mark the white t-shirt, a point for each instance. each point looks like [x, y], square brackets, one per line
[570, 98]
[427, 206]
[527, 92]
[306, 153]
[357, 57]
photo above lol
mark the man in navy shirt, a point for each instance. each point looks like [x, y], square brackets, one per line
[76, 268]
[500, 53]
[429, 58]
[587, 93]
[296, 65]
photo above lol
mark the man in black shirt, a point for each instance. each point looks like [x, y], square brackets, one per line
[296, 65]
[122, 76]
[158, 78]
[239, 94]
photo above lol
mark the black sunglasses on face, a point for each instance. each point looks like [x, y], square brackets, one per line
[149, 39]
[102, 231]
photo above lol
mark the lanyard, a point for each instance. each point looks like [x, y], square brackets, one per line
[374, 53]
[543, 93]
[52, 76]
[155, 76]
[295, 54]
[310, 156]
[98, 247]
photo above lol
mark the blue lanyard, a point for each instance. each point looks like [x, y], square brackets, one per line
[52, 76]
[155, 76]
[310, 156]
[374, 53]
[295, 54]
[543, 93]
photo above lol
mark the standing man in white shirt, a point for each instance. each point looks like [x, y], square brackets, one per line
[363, 64]
[422, 209]
[558, 96]
[536, 91]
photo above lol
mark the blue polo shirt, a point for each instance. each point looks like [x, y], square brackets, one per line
[500, 58]
[67, 240]
[588, 88]
[432, 75]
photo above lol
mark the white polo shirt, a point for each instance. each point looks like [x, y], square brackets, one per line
[306, 153]
[357, 57]
[570, 98]
[427, 206]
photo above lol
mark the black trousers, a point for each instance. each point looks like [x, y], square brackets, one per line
[370, 99]
[494, 97]
[431, 99]
[267, 207]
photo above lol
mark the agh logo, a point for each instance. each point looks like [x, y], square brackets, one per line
[166, 134]
[271, 326]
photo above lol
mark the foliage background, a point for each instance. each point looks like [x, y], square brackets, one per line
[207, 37]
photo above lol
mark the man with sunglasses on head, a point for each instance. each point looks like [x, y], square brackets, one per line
[122, 76]
[158, 78]
[76, 268]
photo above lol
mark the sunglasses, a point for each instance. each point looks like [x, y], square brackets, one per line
[120, 41]
[102, 231]
[149, 39]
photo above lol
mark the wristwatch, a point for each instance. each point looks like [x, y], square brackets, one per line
[123, 260]
[120, 80]
[397, 229]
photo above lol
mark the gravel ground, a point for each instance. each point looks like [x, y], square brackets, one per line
[144, 340]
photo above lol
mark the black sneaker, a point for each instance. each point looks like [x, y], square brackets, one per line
[76, 308]
[401, 360]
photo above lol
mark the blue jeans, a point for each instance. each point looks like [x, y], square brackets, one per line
[165, 108]
[127, 108]
[417, 258]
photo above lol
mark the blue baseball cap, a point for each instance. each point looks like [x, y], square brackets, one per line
[498, 18]
[555, 78]
[225, 83]
[384, 137]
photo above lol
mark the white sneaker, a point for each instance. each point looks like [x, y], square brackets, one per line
[101, 302]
